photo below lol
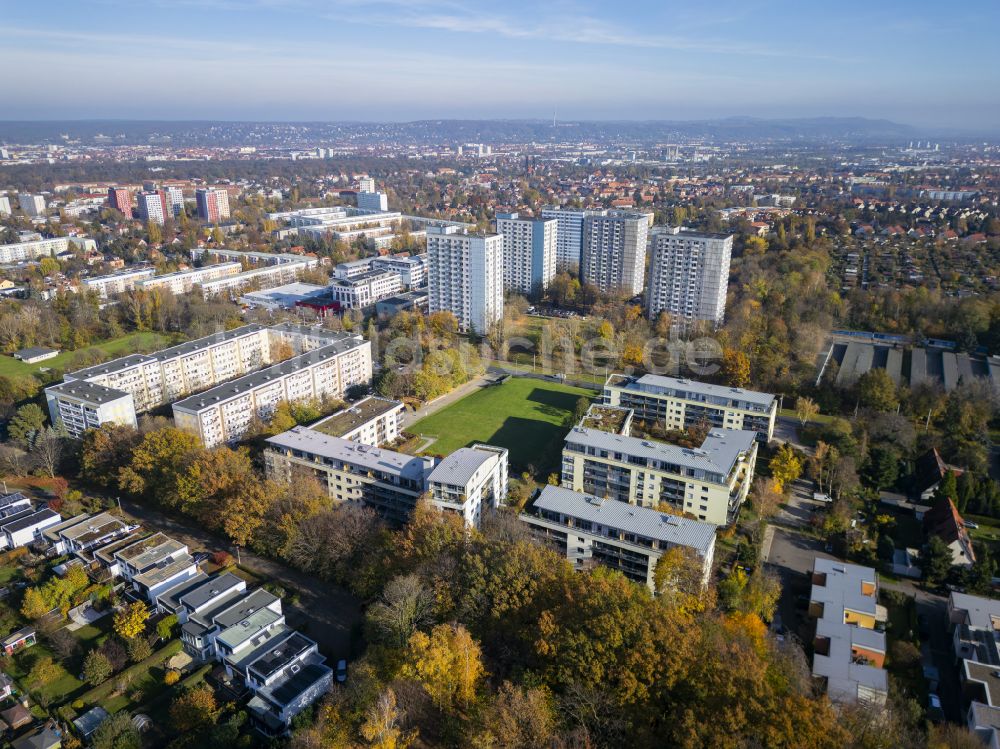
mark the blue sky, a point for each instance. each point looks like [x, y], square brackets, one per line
[926, 63]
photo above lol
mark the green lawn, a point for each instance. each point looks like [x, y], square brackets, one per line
[789, 413]
[127, 344]
[527, 416]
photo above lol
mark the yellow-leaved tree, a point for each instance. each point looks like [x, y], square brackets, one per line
[448, 664]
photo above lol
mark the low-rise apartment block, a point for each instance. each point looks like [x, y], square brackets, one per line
[710, 482]
[25, 526]
[184, 281]
[373, 421]
[263, 277]
[389, 482]
[225, 412]
[20, 252]
[470, 482]
[79, 405]
[365, 289]
[849, 648]
[630, 539]
[117, 283]
[412, 269]
[679, 403]
[154, 564]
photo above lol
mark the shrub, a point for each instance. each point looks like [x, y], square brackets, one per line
[171, 677]
[223, 558]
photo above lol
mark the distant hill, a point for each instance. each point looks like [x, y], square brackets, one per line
[197, 133]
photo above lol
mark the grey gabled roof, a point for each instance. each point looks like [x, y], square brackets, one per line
[621, 516]
[458, 468]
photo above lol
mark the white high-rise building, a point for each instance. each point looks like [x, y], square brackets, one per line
[569, 234]
[689, 274]
[366, 184]
[465, 276]
[374, 202]
[32, 205]
[175, 199]
[153, 206]
[614, 251]
[529, 252]
[4, 205]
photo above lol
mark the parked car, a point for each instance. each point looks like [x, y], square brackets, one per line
[970, 524]
[341, 671]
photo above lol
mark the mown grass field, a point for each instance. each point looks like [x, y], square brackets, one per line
[527, 416]
[127, 344]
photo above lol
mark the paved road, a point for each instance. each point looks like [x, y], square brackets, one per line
[328, 613]
[787, 430]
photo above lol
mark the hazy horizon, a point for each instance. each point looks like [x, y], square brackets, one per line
[920, 64]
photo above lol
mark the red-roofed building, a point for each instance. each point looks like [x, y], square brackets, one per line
[943, 521]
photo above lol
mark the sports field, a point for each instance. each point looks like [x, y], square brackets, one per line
[527, 416]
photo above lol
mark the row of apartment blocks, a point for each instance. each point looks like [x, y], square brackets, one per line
[470, 482]
[279, 670]
[327, 363]
[20, 252]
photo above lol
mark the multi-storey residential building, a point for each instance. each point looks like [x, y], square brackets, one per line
[678, 404]
[387, 481]
[373, 421]
[353, 268]
[471, 482]
[412, 269]
[4, 205]
[529, 252]
[23, 251]
[630, 539]
[213, 204]
[689, 274]
[465, 277]
[120, 199]
[79, 405]
[32, 205]
[366, 184]
[364, 290]
[569, 234]
[175, 200]
[710, 482]
[849, 647]
[155, 564]
[117, 283]
[265, 277]
[614, 251]
[225, 412]
[182, 282]
[153, 206]
[253, 259]
[373, 201]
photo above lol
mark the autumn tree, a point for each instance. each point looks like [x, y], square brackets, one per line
[736, 367]
[404, 607]
[805, 409]
[96, 668]
[130, 621]
[447, 663]
[767, 497]
[877, 391]
[104, 451]
[157, 463]
[786, 466]
[117, 732]
[516, 717]
[194, 710]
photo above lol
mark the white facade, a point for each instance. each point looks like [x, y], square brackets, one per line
[225, 412]
[375, 202]
[569, 234]
[175, 200]
[4, 205]
[689, 274]
[614, 251]
[80, 405]
[366, 184]
[117, 283]
[412, 269]
[465, 277]
[265, 277]
[364, 290]
[470, 482]
[182, 282]
[529, 252]
[373, 421]
[152, 206]
[32, 205]
[22, 251]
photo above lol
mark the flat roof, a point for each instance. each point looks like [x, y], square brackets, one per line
[32, 520]
[979, 611]
[681, 388]
[247, 628]
[171, 596]
[87, 391]
[242, 607]
[352, 417]
[642, 521]
[95, 527]
[242, 385]
[459, 467]
[142, 546]
[213, 588]
[276, 658]
[717, 454]
[287, 690]
[336, 448]
[289, 289]
[164, 571]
